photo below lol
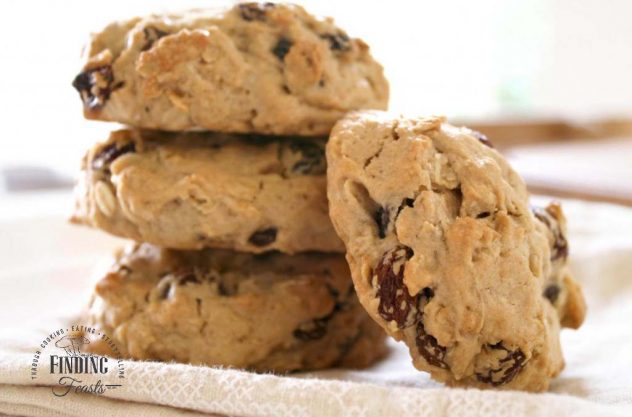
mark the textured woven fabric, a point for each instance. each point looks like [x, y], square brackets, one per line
[596, 381]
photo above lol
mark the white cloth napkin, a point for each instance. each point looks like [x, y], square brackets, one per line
[597, 379]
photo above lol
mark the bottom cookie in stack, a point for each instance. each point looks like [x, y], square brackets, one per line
[268, 312]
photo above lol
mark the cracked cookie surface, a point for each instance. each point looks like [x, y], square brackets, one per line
[196, 190]
[447, 255]
[269, 312]
[253, 68]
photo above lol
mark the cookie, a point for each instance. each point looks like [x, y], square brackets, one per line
[253, 68]
[270, 312]
[196, 190]
[446, 253]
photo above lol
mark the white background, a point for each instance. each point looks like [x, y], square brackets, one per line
[463, 58]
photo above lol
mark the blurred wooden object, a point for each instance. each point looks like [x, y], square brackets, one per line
[509, 133]
[589, 161]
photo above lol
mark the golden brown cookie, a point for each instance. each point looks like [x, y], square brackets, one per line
[446, 253]
[196, 190]
[269, 312]
[254, 68]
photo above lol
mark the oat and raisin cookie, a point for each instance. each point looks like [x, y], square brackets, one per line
[195, 190]
[269, 312]
[256, 67]
[446, 253]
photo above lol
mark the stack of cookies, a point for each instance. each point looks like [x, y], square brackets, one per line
[220, 179]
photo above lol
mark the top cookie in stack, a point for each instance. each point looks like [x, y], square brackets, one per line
[256, 68]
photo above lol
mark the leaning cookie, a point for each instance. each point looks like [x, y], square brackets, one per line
[254, 68]
[196, 190]
[446, 253]
[270, 312]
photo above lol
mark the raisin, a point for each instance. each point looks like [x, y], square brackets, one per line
[225, 289]
[425, 296]
[552, 292]
[341, 304]
[382, 218]
[263, 237]
[344, 348]
[482, 215]
[313, 330]
[95, 86]
[560, 247]
[407, 202]
[396, 303]
[559, 250]
[427, 345]
[210, 277]
[337, 42]
[429, 348]
[282, 48]
[109, 153]
[254, 11]
[508, 367]
[482, 138]
[312, 161]
[331, 290]
[152, 34]
[317, 328]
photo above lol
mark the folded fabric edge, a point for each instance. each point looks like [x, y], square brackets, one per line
[235, 392]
